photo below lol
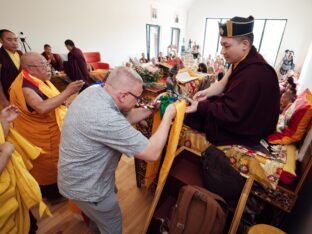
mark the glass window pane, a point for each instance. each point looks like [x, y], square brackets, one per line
[271, 39]
[175, 37]
[257, 30]
[152, 33]
[211, 37]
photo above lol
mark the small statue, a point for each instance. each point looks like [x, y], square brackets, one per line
[287, 62]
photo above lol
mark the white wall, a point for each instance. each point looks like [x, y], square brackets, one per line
[298, 33]
[115, 28]
[305, 79]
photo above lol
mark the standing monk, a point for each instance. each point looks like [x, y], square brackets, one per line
[246, 108]
[9, 64]
[76, 66]
[41, 118]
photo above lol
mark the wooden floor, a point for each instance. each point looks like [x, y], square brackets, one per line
[134, 204]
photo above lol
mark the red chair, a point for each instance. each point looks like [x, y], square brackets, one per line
[94, 59]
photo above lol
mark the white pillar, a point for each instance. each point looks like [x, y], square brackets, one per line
[305, 79]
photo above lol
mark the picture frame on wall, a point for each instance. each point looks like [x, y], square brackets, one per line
[154, 13]
[176, 18]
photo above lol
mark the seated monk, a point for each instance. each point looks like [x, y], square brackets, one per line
[76, 67]
[54, 59]
[287, 99]
[246, 106]
[143, 59]
[161, 58]
[41, 118]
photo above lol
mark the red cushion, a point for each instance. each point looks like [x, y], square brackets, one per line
[287, 178]
[300, 113]
[92, 57]
[100, 66]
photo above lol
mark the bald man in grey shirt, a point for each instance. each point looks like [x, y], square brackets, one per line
[95, 133]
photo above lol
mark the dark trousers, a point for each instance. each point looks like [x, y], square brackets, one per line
[33, 224]
[50, 192]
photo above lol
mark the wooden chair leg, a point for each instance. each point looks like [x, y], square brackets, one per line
[241, 205]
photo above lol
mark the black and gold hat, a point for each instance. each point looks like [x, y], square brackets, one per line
[236, 27]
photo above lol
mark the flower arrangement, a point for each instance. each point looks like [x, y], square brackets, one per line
[148, 72]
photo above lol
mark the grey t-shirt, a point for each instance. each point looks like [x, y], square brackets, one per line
[94, 135]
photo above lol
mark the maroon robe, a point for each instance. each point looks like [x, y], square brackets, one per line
[76, 67]
[56, 61]
[246, 111]
[8, 71]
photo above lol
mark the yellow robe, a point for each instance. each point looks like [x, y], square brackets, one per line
[19, 191]
[40, 130]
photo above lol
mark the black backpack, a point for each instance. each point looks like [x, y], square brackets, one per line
[220, 177]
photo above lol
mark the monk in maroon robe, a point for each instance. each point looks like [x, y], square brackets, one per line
[247, 108]
[54, 59]
[9, 69]
[76, 66]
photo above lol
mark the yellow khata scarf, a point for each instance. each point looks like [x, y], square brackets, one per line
[172, 144]
[48, 89]
[19, 191]
[152, 168]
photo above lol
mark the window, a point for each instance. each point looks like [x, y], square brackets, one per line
[268, 35]
[271, 39]
[258, 29]
[175, 37]
[211, 37]
[152, 40]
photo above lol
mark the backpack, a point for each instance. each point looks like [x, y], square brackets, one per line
[198, 211]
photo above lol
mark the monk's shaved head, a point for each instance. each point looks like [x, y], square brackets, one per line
[30, 58]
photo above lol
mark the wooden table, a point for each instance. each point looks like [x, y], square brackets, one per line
[60, 81]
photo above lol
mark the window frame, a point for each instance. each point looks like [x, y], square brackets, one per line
[178, 41]
[148, 39]
[261, 39]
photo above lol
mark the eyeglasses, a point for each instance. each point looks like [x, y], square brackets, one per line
[46, 65]
[140, 99]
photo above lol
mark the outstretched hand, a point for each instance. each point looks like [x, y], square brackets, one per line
[74, 86]
[171, 111]
[192, 107]
[200, 96]
[10, 113]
